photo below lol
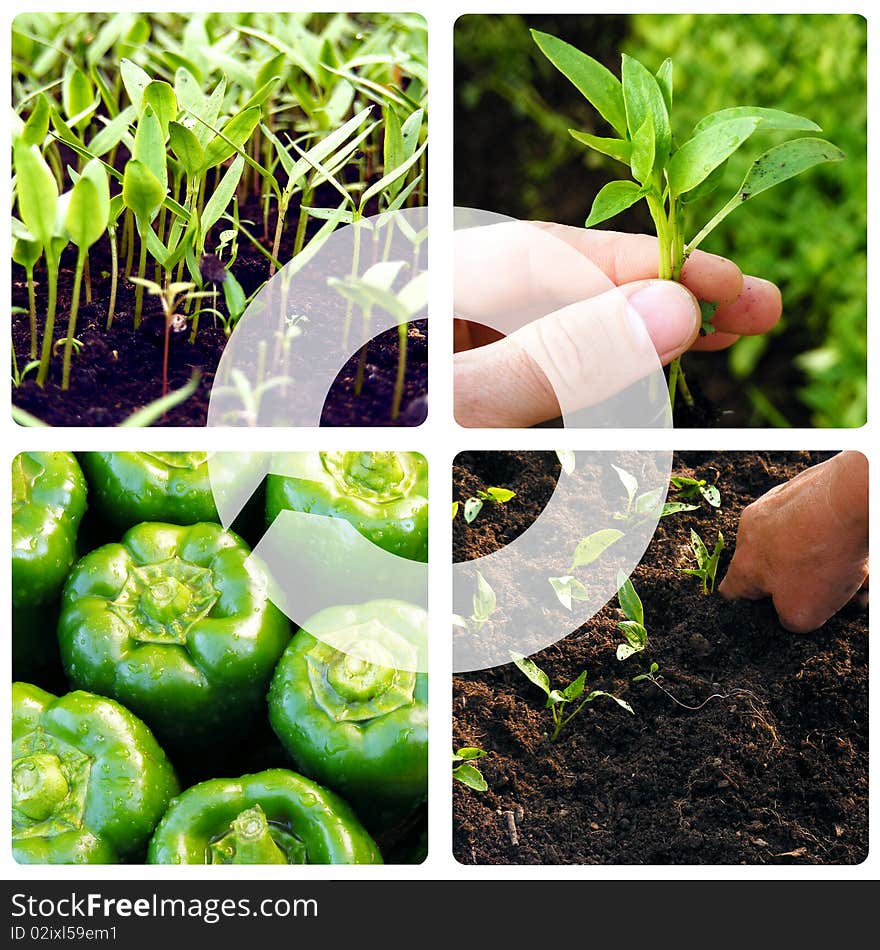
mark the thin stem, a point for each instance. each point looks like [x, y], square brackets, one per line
[279, 227]
[301, 223]
[32, 310]
[142, 267]
[52, 263]
[87, 275]
[401, 369]
[71, 321]
[114, 277]
[165, 353]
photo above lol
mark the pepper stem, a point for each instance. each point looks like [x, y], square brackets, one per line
[248, 841]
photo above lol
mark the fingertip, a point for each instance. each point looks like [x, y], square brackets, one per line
[712, 277]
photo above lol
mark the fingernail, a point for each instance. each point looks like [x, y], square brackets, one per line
[670, 315]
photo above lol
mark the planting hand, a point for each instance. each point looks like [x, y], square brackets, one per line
[560, 290]
[805, 543]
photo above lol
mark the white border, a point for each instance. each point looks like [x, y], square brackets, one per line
[439, 440]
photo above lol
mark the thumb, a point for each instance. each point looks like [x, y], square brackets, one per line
[575, 357]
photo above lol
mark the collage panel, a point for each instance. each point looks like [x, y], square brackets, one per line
[725, 153]
[219, 219]
[661, 659]
[219, 658]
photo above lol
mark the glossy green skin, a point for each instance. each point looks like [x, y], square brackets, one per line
[399, 526]
[380, 765]
[214, 679]
[322, 821]
[130, 782]
[48, 503]
[130, 487]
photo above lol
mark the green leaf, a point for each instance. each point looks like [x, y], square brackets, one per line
[613, 198]
[142, 191]
[701, 552]
[393, 140]
[596, 83]
[274, 66]
[263, 93]
[643, 150]
[711, 494]
[149, 146]
[702, 154]
[499, 495]
[706, 187]
[470, 776]
[568, 589]
[775, 166]
[649, 501]
[89, 207]
[111, 135]
[155, 410]
[484, 599]
[630, 485]
[135, 81]
[159, 96]
[532, 672]
[635, 633]
[591, 547]
[472, 508]
[630, 602]
[575, 689]
[187, 148]
[37, 192]
[642, 97]
[664, 81]
[233, 294]
[614, 148]
[468, 753]
[454, 509]
[410, 131]
[234, 134]
[625, 651]
[774, 120]
[37, 126]
[386, 181]
[218, 201]
[674, 507]
[77, 95]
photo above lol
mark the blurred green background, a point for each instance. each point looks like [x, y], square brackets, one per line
[513, 155]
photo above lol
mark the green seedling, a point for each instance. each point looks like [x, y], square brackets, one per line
[686, 487]
[707, 564]
[465, 771]
[474, 505]
[645, 504]
[558, 701]
[485, 603]
[633, 627]
[169, 297]
[88, 212]
[669, 174]
[568, 589]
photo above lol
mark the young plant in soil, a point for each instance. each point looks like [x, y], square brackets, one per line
[670, 174]
[567, 587]
[642, 505]
[559, 701]
[633, 627]
[686, 487]
[465, 771]
[485, 603]
[474, 505]
[707, 564]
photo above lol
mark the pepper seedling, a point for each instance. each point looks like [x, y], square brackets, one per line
[707, 564]
[559, 700]
[633, 627]
[686, 487]
[474, 505]
[670, 176]
[465, 771]
[645, 504]
[485, 603]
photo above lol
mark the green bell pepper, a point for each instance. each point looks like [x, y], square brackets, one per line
[384, 495]
[89, 781]
[48, 503]
[350, 709]
[272, 817]
[176, 624]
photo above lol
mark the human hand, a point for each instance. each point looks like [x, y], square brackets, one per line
[529, 296]
[805, 543]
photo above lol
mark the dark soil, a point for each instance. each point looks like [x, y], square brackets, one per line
[775, 775]
[119, 371]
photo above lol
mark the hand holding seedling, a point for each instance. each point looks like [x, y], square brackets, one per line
[805, 543]
[583, 275]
